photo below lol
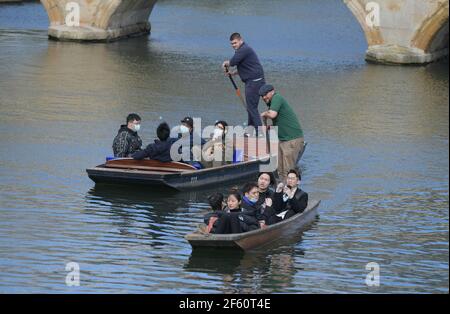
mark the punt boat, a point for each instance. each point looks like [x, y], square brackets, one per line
[255, 238]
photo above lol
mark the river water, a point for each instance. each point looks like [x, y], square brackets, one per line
[377, 155]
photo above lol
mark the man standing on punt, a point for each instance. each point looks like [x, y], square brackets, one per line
[290, 133]
[251, 73]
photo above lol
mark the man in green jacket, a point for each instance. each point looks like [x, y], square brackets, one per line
[290, 133]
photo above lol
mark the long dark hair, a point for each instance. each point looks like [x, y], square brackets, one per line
[216, 201]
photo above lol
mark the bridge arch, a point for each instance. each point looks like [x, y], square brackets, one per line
[410, 31]
[373, 34]
[432, 34]
[100, 20]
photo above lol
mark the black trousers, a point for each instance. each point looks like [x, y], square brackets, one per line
[228, 223]
[252, 99]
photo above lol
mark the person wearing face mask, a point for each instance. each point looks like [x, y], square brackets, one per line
[255, 212]
[127, 140]
[219, 150]
[289, 199]
[188, 138]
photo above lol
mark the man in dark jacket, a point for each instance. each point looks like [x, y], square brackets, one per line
[127, 140]
[251, 73]
[160, 149]
[265, 183]
[289, 199]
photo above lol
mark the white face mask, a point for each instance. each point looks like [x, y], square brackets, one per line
[137, 127]
[217, 133]
[184, 129]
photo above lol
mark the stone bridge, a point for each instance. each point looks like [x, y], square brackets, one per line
[397, 31]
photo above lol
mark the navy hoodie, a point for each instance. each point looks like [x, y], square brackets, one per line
[160, 150]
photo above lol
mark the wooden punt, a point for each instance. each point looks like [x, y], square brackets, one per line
[181, 176]
[174, 175]
[252, 239]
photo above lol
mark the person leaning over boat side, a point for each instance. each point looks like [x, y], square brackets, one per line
[127, 140]
[160, 149]
[212, 220]
[219, 150]
[290, 133]
[251, 73]
[288, 199]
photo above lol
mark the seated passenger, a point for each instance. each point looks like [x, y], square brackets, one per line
[289, 199]
[234, 201]
[187, 140]
[212, 219]
[265, 182]
[127, 140]
[252, 208]
[160, 149]
[219, 150]
[265, 198]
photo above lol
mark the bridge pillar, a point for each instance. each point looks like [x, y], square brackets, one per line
[403, 31]
[99, 20]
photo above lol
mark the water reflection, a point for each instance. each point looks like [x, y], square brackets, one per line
[268, 269]
[377, 153]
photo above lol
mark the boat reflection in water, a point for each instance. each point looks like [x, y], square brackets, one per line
[257, 271]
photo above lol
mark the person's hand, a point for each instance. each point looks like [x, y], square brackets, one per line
[226, 65]
[262, 224]
[268, 202]
[280, 187]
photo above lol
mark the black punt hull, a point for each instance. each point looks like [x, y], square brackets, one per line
[180, 181]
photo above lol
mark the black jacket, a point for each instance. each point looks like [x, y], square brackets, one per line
[251, 215]
[263, 195]
[216, 213]
[297, 204]
[158, 150]
[126, 142]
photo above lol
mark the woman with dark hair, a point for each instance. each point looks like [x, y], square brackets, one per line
[212, 219]
[219, 150]
[234, 202]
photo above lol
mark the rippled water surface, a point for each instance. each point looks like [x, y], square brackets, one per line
[377, 155]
